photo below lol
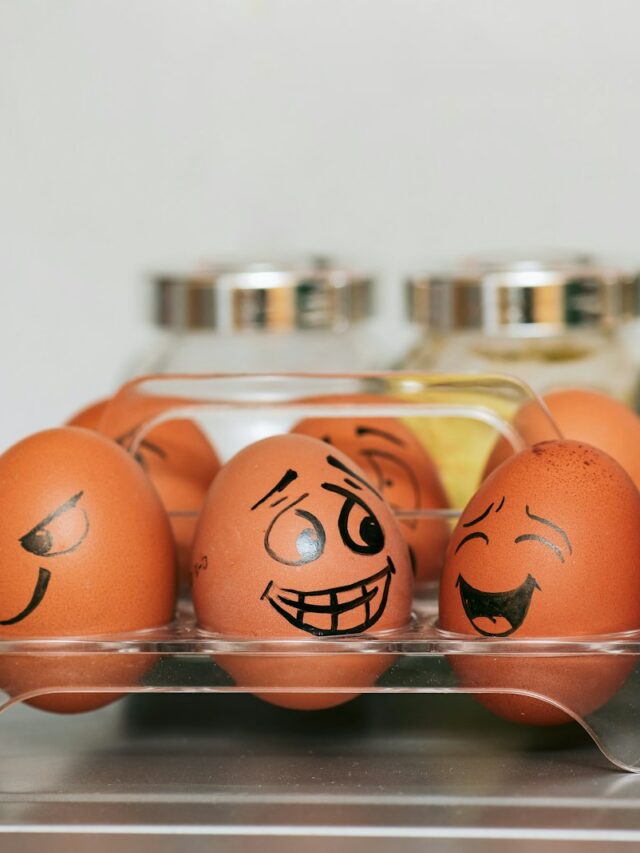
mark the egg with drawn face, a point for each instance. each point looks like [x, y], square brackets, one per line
[294, 542]
[549, 546]
[85, 549]
[400, 468]
[176, 456]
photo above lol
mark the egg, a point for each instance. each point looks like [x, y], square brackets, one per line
[294, 542]
[176, 455]
[397, 464]
[549, 546]
[85, 549]
[583, 415]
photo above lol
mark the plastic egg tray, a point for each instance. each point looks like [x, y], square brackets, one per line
[458, 418]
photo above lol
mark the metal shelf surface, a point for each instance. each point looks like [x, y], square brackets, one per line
[229, 772]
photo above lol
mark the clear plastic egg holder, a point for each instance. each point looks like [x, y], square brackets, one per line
[451, 412]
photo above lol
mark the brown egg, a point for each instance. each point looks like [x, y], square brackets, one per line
[583, 415]
[85, 549]
[549, 546]
[397, 464]
[176, 455]
[293, 542]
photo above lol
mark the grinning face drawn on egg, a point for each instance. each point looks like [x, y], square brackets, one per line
[499, 614]
[315, 549]
[293, 541]
[349, 608]
[61, 532]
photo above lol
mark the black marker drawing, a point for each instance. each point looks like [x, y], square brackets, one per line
[335, 463]
[380, 433]
[126, 439]
[282, 484]
[369, 530]
[41, 541]
[533, 537]
[44, 576]
[202, 566]
[299, 607]
[550, 524]
[476, 535]
[500, 505]
[479, 518]
[511, 606]
[309, 543]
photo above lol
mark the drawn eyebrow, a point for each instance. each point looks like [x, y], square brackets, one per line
[480, 517]
[335, 463]
[551, 525]
[478, 534]
[62, 508]
[381, 433]
[533, 537]
[279, 501]
[124, 440]
[500, 505]
[282, 483]
[353, 484]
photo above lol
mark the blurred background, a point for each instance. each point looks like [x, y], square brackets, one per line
[139, 136]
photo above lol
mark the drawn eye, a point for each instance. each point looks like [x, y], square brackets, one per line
[394, 478]
[359, 528]
[59, 533]
[295, 537]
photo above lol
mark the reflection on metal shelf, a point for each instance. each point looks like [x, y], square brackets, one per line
[254, 776]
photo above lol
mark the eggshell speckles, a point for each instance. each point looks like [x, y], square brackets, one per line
[400, 468]
[85, 549]
[293, 542]
[549, 546]
[582, 415]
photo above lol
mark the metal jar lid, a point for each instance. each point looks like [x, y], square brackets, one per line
[525, 299]
[264, 297]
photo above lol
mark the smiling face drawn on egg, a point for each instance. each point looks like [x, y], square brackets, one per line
[345, 609]
[60, 533]
[499, 614]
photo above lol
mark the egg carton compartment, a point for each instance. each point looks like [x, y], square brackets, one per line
[458, 419]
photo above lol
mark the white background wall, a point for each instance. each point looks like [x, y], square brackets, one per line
[390, 132]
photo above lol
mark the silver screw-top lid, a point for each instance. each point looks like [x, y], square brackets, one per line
[521, 299]
[265, 297]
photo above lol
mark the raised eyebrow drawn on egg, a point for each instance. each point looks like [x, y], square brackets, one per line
[480, 517]
[125, 439]
[381, 433]
[550, 524]
[288, 477]
[336, 463]
[29, 540]
[478, 534]
[533, 537]
[500, 505]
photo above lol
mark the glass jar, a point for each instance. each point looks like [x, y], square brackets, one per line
[552, 326]
[262, 317]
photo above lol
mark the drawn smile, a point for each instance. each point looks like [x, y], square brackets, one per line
[44, 576]
[348, 609]
[496, 614]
